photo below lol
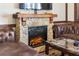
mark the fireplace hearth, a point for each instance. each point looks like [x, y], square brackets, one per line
[37, 36]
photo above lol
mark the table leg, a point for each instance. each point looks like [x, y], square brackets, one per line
[62, 53]
[47, 49]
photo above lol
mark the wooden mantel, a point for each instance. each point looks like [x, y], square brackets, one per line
[46, 15]
[37, 15]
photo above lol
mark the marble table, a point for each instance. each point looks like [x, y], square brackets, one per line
[62, 46]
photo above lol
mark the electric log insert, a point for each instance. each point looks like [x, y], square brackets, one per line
[37, 36]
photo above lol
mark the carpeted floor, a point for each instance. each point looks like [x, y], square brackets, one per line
[16, 49]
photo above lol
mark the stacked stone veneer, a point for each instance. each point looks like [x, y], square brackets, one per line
[35, 22]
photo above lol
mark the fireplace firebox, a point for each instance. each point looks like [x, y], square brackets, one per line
[37, 36]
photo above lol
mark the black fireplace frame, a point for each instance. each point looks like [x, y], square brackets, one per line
[44, 31]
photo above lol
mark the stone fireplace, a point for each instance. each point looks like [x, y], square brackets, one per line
[34, 29]
[37, 36]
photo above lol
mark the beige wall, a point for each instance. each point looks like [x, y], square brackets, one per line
[70, 12]
[59, 9]
[5, 13]
[7, 9]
